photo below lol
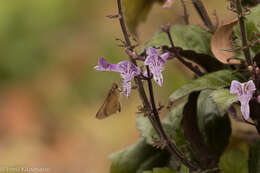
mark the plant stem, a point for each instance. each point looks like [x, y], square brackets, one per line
[185, 12]
[122, 23]
[129, 46]
[245, 45]
[153, 116]
[241, 21]
[200, 8]
[169, 144]
[178, 56]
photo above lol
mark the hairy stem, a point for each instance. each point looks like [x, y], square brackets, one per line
[245, 45]
[153, 112]
[178, 56]
[241, 20]
[129, 46]
[166, 139]
[185, 12]
[200, 8]
[122, 23]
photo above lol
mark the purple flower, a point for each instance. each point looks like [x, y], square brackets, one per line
[126, 69]
[244, 92]
[104, 65]
[156, 63]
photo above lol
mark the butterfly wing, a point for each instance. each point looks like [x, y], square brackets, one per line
[101, 114]
[111, 104]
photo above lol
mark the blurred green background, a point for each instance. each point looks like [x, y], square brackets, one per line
[50, 92]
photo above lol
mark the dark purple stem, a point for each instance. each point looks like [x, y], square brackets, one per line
[154, 116]
[242, 26]
[185, 12]
[248, 122]
[138, 81]
[245, 45]
[200, 8]
[169, 144]
[178, 56]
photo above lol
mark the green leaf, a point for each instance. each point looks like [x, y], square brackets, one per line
[252, 27]
[207, 132]
[161, 170]
[215, 128]
[187, 37]
[234, 161]
[136, 11]
[223, 99]
[192, 42]
[215, 80]
[254, 157]
[138, 158]
[184, 169]
[146, 129]
[172, 125]
[173, 122]
[203, 153]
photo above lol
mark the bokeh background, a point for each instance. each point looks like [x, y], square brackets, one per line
[49, 92]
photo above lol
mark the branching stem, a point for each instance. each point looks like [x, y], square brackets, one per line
[122, 23]
[166, 139]
[200, 8]
[195, 69]
[241, 20]
[129, 47]
[154, 115]
[245, 45]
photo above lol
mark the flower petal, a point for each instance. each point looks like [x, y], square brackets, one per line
[250, 86]
[235, 87]
[158, 78]
[127, 87]
[245, 110]
[165, 56]
[104, 65]
[152, 51]
[128, 70]
[156, 63]
[149, 60]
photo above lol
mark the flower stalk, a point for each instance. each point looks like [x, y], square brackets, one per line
[241, 20]
[165, 138]
[245, 45]
[185, 13]
[194, 69]
[151, 108]
[200, 8]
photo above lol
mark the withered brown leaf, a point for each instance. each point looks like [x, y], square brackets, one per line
[221, 42]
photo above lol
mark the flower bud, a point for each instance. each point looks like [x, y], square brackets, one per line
[258, 98]
[257, 70]
[250, 68]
